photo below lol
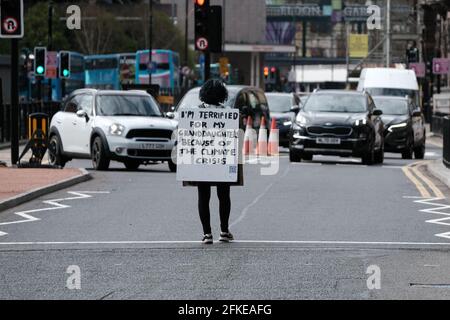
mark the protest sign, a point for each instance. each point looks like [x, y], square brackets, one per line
[208, 145]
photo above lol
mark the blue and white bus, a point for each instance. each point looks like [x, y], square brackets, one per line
[102, 71]
[165, 68]
[110, 71]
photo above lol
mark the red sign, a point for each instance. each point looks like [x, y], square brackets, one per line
[441, 66]
[10, 25]
[202, 44]
[419, 69]
[51, 71]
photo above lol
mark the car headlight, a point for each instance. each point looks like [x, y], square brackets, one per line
[116, 129]
[361, 122]
[301, 120]
[287, 123]
[397, 126]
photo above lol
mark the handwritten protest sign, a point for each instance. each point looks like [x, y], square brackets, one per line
[208, 145]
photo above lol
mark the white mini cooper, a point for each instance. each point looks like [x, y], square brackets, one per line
[125, 126]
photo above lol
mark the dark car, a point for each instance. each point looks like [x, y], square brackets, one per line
[283, 107]
[340, 123]
[405, 126]
[249, 100]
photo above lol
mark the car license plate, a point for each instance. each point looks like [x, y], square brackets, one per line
[151, 146]
[334, 141]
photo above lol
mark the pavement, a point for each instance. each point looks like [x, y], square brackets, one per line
[315, 230]
[22, 185]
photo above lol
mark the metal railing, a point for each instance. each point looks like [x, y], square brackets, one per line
[49, 108]
[446, 136]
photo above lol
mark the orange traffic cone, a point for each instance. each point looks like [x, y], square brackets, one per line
[249, 138]
[274, 139]
[262, 139]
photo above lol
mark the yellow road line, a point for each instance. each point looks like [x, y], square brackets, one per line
[437, 192]
[421, 181]
[423, 191]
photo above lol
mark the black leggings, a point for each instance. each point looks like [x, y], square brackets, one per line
[204, 195]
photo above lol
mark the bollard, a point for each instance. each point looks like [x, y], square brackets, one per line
[447, 142]
[38, 124]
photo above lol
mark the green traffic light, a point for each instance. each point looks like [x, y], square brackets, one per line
[66, 73]
[40, 69]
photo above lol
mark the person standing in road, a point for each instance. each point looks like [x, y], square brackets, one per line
[212, 95]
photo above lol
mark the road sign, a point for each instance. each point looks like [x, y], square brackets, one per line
[358, 45]
[419, 69]
[441, 66]
[202, 44]
[11, 19]
[51, 71]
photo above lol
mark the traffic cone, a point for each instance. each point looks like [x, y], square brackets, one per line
[249, 138]
[274, 139]
[262, 139]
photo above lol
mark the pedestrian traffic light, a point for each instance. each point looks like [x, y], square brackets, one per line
[11, 19]
[40, 55]
[64, 64]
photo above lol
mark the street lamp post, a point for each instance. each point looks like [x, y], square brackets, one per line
[388, 33]
[50, 42]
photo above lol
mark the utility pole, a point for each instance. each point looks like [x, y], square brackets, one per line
[186, 35]
[50, 42]
[347, 55]
[388, 34]
[14, 101]
[150, 41]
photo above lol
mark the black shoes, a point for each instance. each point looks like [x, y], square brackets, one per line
[226, 237]
[208, 239]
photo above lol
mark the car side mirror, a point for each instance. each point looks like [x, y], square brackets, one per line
[170, 115]
[295, 109]
[82, 114]
[417, 114]
[377, 112]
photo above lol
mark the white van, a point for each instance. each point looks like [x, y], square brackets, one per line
[390, 82]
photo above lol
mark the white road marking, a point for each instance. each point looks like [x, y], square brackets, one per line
[436, 208]
[431, 154]
[256, 200]
[372, 243]
[54, 205]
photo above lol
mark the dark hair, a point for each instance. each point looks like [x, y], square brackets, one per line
[214, 92]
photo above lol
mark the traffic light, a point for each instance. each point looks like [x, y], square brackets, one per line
[412, 55]
[64, 64]
[11, 19]
[266, 72]
[208, 27]
[201, 25]
[40, 55]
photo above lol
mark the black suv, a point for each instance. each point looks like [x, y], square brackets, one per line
[339, 123]
[405, 126]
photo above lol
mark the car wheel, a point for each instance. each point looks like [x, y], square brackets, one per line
[100, 161]
[172, 166]
[307, 157]
[379, 156]
[132, 165]
[368, 158]
[294, 157]
[54, 152]
[419, 152]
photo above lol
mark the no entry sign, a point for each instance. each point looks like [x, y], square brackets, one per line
[11, 19]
